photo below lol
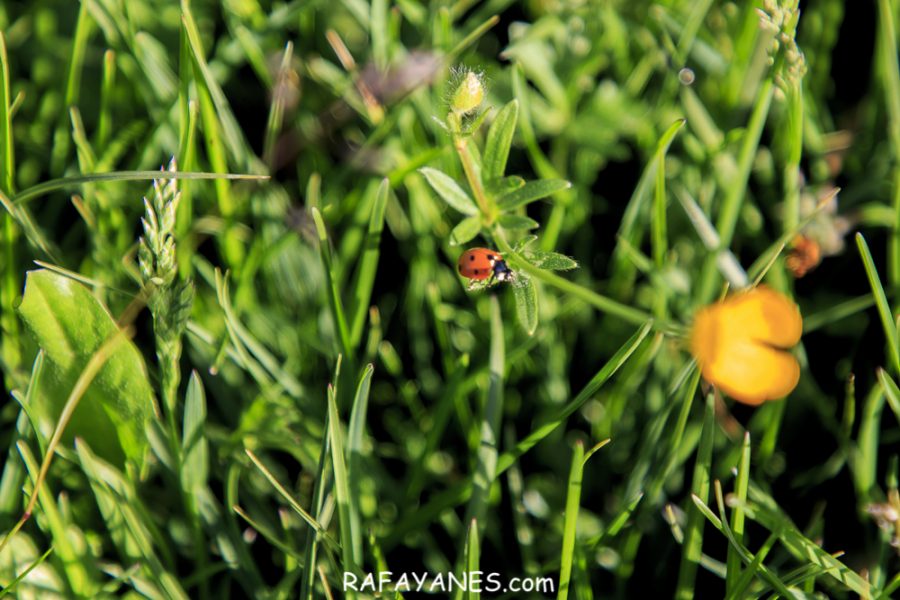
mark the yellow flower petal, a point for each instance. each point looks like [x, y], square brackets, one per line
[740, 345]
[764, 315]
[753, 373]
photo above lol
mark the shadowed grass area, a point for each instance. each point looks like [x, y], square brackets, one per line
[261, 373]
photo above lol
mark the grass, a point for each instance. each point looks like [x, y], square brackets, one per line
[268, 377]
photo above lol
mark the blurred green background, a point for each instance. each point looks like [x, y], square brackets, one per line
[330, 99]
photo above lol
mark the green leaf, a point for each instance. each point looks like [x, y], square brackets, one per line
[531, 191]
[551, 261]
[525, 294]
[194, 446]
[70, 325]
[449, 190]
[499, 140]
[517, 222]
[465, 230]
[500, 186]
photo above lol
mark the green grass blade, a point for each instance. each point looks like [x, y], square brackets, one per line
[368, 264]
[337, 306]
[62, 183]
[194, 444]
[231, 131]
[293, 503]
[570, 523]
[737, 515]
[472, 558]
[7, 155]
[658, 224]
[693, 535]
[11, 586]
[345, 507]
[276, 110]
[884, 309]
[737, 188]
[891, 391]
[356, 454]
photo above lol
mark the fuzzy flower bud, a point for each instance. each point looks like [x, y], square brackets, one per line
[468, 95]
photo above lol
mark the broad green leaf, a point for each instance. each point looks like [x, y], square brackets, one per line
[449, 190]
[551, 261]
[70, 325]
[517, 222]
[465, 230]
[499, 139]
[531, 191]
[525, 294]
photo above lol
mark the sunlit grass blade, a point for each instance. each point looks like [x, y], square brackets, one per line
[282, 491]
[764, 511]
[472, 557]
[865, 462]
[368, 265]
[570, 523]
[631, 227]
[771, 578]
[352, 554]
[693, 535]
[891, 391]
[7, 156]
[356, 455]
[68, 182]
[342, 332]
[737, 514]
[658, 222]
[79, 577]
[276, 111]
[231, 131]
[884, 309]
[11, 586]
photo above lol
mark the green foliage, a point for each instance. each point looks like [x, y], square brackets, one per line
[69, 326]
[336, 399]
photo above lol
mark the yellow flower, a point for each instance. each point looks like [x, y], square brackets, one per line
[742, 342]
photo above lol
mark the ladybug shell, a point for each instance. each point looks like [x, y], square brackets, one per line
[478, 263]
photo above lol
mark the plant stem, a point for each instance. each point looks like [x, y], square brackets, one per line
[461, 144]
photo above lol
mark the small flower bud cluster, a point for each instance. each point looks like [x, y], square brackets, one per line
[169, 301]
[781, 22]
[156, 252]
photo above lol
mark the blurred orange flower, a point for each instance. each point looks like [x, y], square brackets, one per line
[742, 343]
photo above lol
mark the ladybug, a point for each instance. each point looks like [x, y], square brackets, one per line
[479, 264]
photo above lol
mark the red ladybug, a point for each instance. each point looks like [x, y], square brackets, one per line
[479, 264]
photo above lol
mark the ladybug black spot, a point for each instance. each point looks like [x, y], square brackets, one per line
[477, 271]
[471, 257]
